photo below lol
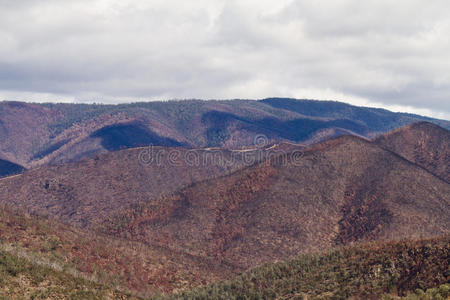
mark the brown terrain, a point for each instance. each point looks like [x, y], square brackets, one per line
[425, 144]
[46, 259]
[225, 187]
[91, 190]
[120, 264]
[341, 191]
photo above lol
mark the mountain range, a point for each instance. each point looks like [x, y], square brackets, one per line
[39, 134]
[136, 200]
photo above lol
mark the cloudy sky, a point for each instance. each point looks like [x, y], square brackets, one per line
[392, 54]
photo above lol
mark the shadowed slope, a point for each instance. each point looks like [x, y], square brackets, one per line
[8, 168]
[116, 137]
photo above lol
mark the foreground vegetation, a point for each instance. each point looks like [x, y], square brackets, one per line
[22, 279]
[412, 270]
[372, 271]
[46, 260]
[115, 264]
[440, 293]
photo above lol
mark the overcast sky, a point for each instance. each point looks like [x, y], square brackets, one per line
[392, 54]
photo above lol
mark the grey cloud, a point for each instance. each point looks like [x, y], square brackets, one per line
[393, 53]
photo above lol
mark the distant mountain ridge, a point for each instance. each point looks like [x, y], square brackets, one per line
[37, 134]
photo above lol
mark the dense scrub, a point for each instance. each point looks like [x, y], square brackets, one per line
[45, 259]
[367, 271]
[438, 293]
[23, 279]
[88, 256]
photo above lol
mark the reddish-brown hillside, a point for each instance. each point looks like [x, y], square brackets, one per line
[423, 143]
[91, 190]
[46, 259]
[126, 265]
[341, 191]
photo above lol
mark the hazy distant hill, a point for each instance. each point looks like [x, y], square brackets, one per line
[376, 119]
[36, 134]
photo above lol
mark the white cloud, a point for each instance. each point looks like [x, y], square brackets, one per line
[392, 54]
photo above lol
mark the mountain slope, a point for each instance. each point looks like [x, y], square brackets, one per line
[99, 260]
[23, 279]
[38, 134]
[87, 192]
[339, 192]
[46, 259]
[23, 127]
[423, 143]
